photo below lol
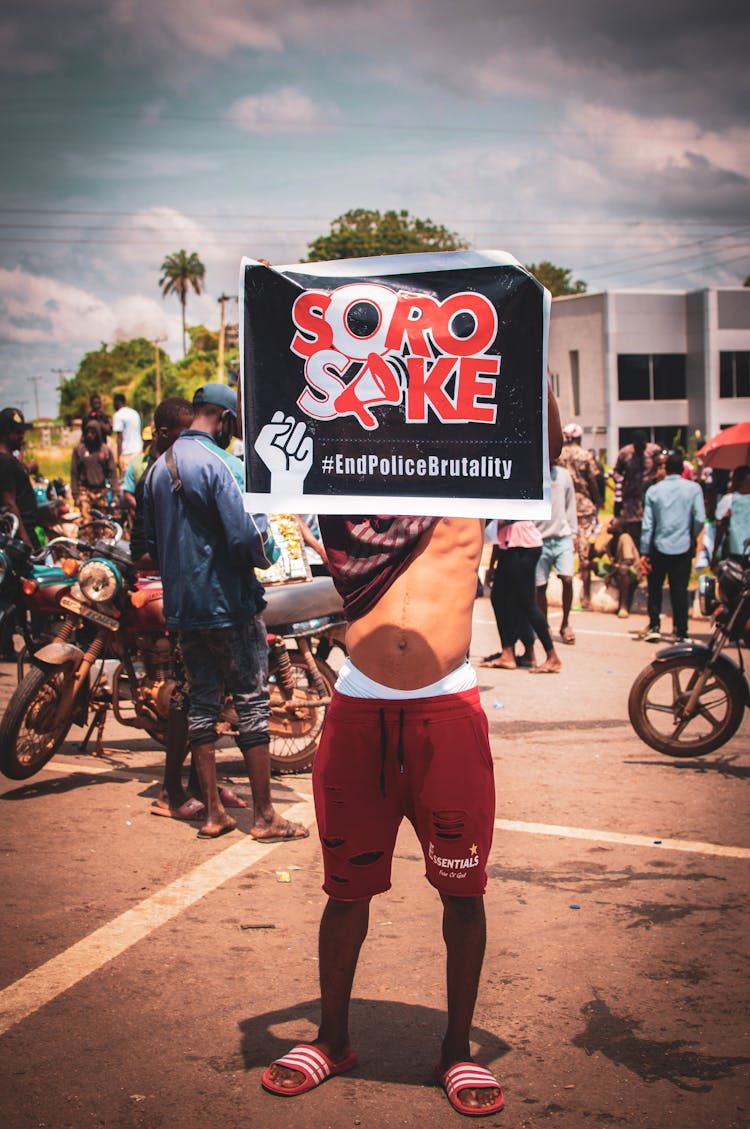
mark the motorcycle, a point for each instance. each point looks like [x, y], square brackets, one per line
[29, 588]
[113, 613]
[300, 678]
[691, 699]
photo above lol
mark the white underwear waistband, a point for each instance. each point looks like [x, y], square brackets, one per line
[355, 684]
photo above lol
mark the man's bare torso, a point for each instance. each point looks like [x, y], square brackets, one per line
[420, 629]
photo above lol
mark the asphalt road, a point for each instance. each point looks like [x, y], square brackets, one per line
[147, 977]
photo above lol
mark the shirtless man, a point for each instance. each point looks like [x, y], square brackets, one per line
[405, 735]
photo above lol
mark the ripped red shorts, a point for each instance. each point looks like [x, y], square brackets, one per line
[428, 759]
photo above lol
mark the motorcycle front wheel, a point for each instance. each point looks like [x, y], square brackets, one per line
[29, 735]
[295, 726]
[657, 703]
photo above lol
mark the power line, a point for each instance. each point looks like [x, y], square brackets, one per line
[337, 124]
[516, 221]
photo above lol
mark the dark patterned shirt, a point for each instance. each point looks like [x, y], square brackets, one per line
[581, 466]
[366, 554]
[638, 471]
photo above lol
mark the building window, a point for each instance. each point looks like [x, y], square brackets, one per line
[734, 375]
[669, 437]
[651, 376]
[575, 380]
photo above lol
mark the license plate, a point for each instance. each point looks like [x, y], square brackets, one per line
[89, 613]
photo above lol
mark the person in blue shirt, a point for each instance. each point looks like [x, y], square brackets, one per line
[733, 517]
[208, 546]
[673, 516]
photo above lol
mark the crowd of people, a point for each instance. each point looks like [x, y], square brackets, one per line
[406, 697]
[665, 522]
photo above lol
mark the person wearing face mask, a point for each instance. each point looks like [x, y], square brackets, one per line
[92, 471]
[207, 547]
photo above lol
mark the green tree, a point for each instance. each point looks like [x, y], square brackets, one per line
[362, 232]
[121, 368]
[556, 279]
[179, 272]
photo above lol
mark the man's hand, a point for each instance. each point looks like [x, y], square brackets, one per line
[287, 450]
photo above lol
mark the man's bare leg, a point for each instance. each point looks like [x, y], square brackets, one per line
[172, 791]
[217, 820]
[584, 572]
[343, 928]
[267, 823]
[465, 935]
[566, 631]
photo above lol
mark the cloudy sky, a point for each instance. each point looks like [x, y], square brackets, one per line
[610, 138]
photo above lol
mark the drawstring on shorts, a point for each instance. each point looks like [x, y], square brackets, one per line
[384, 745]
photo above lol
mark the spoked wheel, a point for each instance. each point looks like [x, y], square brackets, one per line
[295, 725]
[658, 706]
[29, 733]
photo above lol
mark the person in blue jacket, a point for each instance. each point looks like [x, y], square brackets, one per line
[208, 546]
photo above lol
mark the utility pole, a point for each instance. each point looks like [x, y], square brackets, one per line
[222, 299]
[156, 341]
[35, 381]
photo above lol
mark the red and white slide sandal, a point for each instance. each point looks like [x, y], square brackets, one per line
[469, 1076]
[310, 1061]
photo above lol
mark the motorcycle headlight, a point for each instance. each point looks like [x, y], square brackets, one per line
[731, 577]
[706, 594]
[99, 581]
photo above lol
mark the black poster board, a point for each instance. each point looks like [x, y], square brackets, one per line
[409, 384]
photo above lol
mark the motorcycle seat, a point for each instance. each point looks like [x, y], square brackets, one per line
[294, 603]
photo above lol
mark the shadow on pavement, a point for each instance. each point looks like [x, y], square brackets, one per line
[652, 1060]
[722, 766]
[374, 1024]
[59, 785]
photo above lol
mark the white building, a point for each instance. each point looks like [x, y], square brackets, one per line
[662, 361]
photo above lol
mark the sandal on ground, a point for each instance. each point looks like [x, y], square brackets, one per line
[469, 1076]
[311, 1062]
[191, 809]
[490, 658]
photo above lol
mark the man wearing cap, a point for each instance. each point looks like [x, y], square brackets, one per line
[207, 547]
[582, 468]
[16, 491]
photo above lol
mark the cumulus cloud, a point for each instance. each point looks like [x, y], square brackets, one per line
[212, 30]
[38, 310]
[688, 60]
[40, 36]
[286, 110]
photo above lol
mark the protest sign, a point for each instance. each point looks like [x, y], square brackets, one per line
[408, 384]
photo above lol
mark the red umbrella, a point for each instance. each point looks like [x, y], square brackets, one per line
[728, 449]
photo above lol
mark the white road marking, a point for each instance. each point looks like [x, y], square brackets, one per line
[627, 632]
[70, 769]
[621, 837]
[579, 630]
[43, 984]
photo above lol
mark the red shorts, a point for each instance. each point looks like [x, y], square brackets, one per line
[428, 759]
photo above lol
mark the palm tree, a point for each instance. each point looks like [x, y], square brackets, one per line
[179, 272]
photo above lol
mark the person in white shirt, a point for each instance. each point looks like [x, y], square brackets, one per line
[126, 426]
